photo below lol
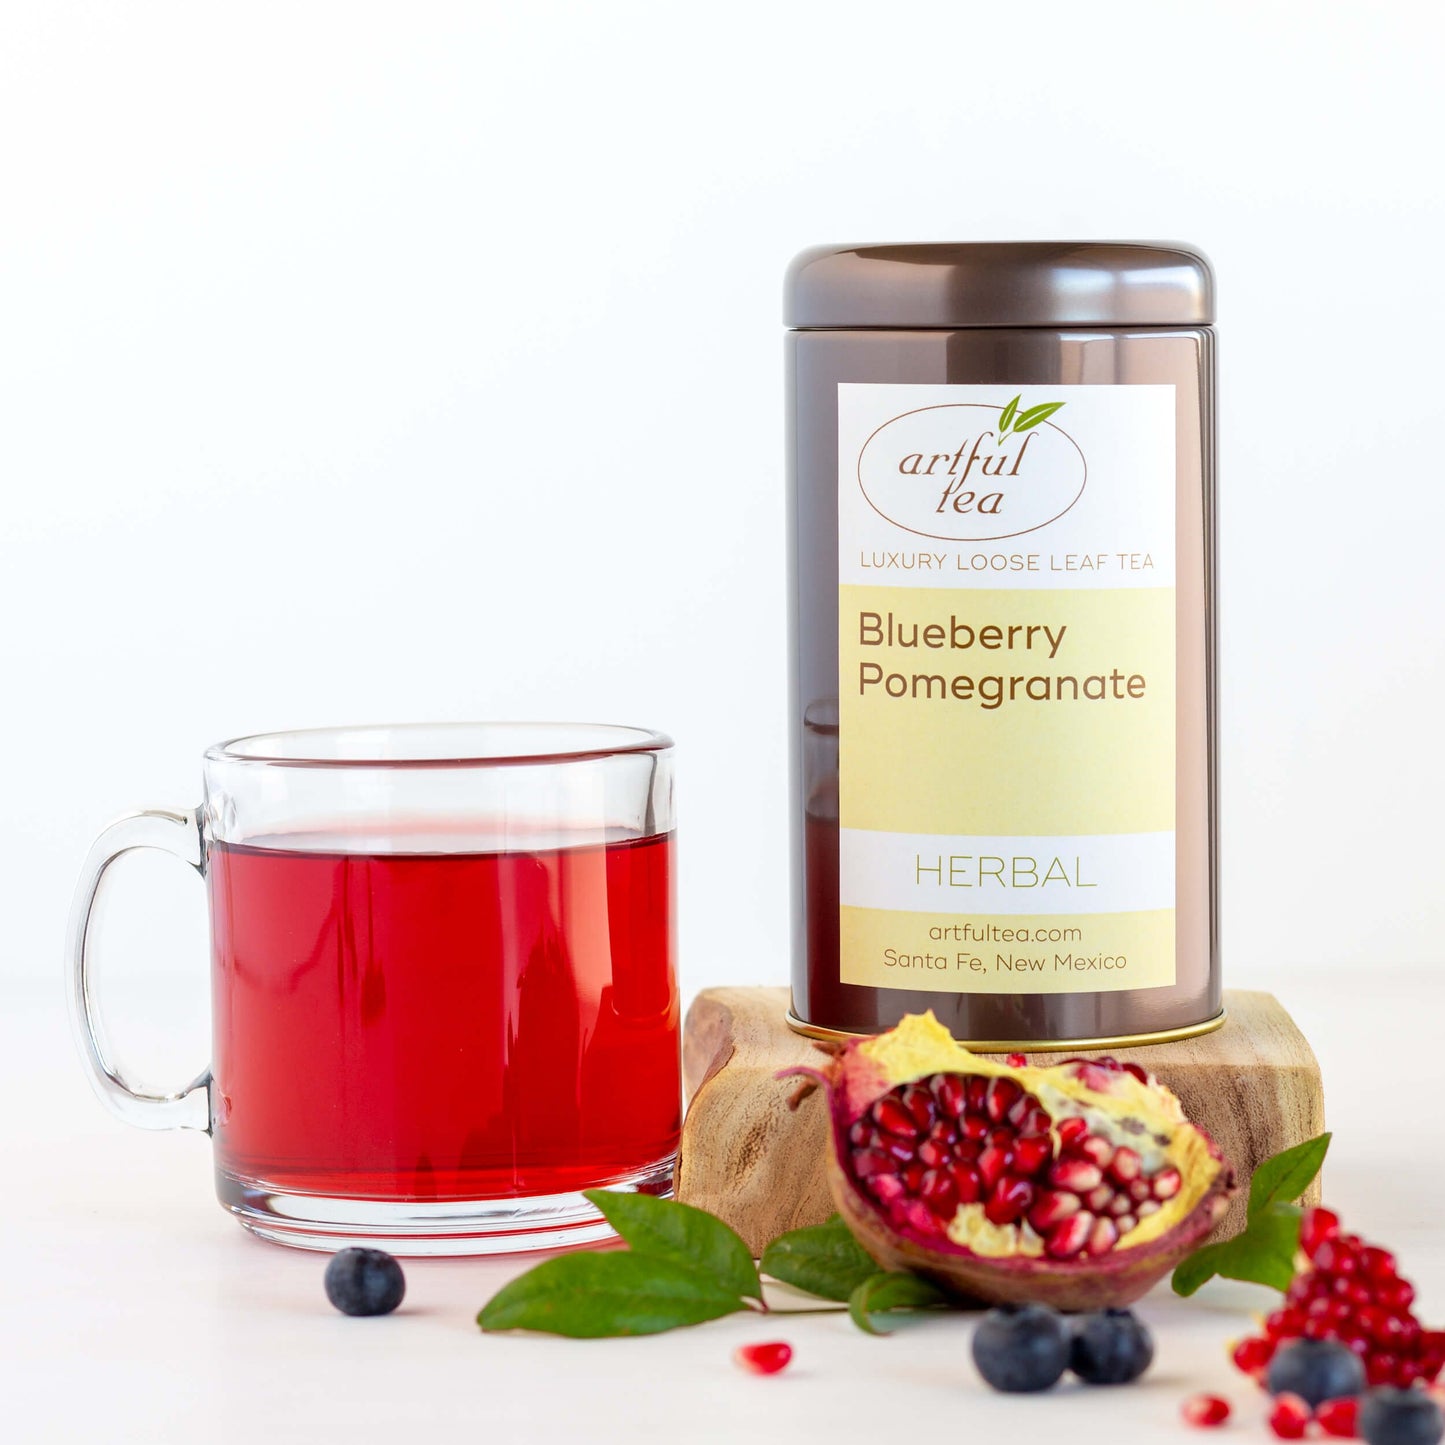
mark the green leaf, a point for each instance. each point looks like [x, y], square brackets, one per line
[588, 1296]
[1263, 1254]
[1009, 412]
[665, 1229]
[1283, 1178]
[1035, 414]
[885, 1292]
[824, 1260]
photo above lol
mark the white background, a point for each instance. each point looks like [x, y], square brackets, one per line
[374, 362]
[378, 362]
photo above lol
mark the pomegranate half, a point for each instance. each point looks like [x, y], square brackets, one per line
[1078, 1185]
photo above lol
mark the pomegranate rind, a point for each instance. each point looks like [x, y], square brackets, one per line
[978, 1262]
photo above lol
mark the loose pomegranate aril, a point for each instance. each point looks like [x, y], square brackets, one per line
[1016, 1061]
[1205, 1410]
[1316, 1227]
[764, 1359]
[1252, 1355]
[1290, 1417]
[1338, 1418]
[1377, 1264]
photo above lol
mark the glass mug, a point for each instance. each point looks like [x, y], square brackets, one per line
[443, 990]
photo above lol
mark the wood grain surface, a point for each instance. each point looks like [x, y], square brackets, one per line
[1253, 1084]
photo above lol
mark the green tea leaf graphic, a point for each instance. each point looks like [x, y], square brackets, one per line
[1035, 414]
[1009, 413]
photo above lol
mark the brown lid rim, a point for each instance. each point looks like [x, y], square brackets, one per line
[949, 286]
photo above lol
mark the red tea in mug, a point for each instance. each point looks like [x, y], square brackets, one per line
[442, 1026]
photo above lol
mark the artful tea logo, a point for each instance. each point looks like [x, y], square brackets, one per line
[968, 472]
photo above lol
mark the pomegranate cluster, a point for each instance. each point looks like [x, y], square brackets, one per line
[1350, 1291]
[1077, 1184]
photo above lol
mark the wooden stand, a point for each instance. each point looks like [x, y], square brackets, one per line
[1254, 1085]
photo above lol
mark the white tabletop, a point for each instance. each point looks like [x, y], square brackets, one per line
[137, 1311]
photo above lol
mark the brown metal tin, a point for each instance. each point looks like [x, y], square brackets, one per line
[1036, 314]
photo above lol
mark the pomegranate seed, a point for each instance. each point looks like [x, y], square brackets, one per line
[966, 1151]
[940, 1193]
[1125, 1166]
[1100, 1199]
[1141, 1191]
[1290, 1417]
[949, 1090]
[1205, 1410]
[1125, 1223]
[886, 1188]
[1139, 1072]
[1432, 1345]
[1397, 1296]
[1068, 1238]
[976, 1088]
[1148, 1207]
[934, 1154]
[1100, 1151]
[1283, 1324]
[968, 1182]
[1076, 1174]
[919, 1101]
[1023, 1106]
[1380, 1368]
[1103, 1237]
[1037, 1121]
[765, 1359]
[1316, 1329]
[1000, 1098]
[1337, 1418]
[1252, 1354]
[1073, 1129]
[917, 1215]
[1053, 1207]
[976, 1128]
[893, 1118]
[992, 1164]
[901, 1149]
[860, 1135]
[871, 1162]
[1002, 1138]
[943, 1132]
[1335, 1257]
[1015, 1061]
[1032, 1153]
[1316, 1227]
[1167, 1183]
[1119, 1206]
[912, 1176]
[1010, 1198]
[1359, 1294]
[1377, 1264]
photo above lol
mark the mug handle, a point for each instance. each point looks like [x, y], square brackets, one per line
[178, 834]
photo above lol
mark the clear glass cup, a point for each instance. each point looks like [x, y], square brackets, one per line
[444, 997]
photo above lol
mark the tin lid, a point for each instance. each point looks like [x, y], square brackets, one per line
[949, 286]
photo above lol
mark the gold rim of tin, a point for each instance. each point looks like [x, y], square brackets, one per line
[1009, 1046]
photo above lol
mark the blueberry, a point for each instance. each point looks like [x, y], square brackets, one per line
[1020, 1348]
[1111, 1347]
[1316, 1370]
[364, 1282]
[1399, 1417]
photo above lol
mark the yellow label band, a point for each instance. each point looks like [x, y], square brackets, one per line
[1007, 953]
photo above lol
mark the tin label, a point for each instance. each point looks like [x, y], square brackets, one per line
[1006, 651]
